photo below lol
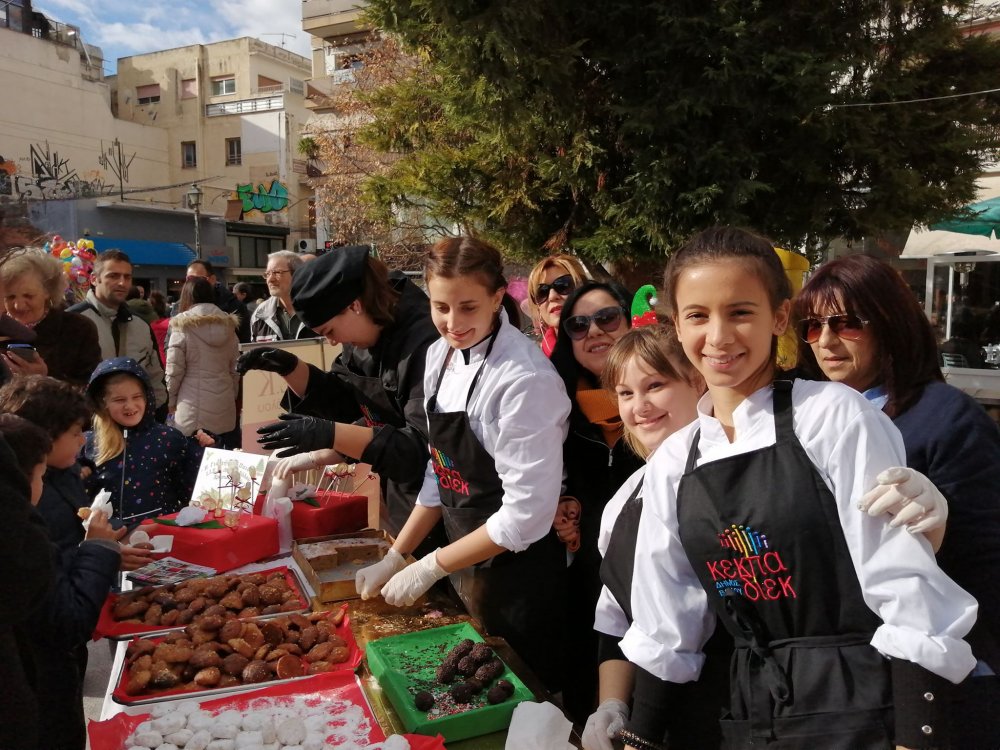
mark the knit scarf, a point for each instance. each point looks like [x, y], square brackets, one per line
[601, 410]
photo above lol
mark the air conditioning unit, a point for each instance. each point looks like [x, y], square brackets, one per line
[306, 245]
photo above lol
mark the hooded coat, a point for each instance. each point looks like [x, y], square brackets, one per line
[159, 465]
[202, 382]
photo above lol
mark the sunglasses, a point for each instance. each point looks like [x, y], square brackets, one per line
[563, 286]
[608, 319]
[845, 326]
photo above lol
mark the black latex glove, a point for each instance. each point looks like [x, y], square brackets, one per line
[297, 434]
[269, 360]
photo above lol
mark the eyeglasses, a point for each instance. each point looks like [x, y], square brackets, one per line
[269, 274]
[563, 286]
[849, 327]
[608, 319]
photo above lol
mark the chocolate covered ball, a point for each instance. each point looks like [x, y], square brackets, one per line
[490, 671]
[461, 693]
[481, 653]
[506, 686]
[463, 648]
[476, 686]
[423, 701]
[467, 666]
[446, 673]
[496, 694]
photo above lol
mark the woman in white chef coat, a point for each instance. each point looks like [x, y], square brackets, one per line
[496, 413]
[750, 518]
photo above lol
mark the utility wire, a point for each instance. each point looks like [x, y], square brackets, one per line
[911, 101]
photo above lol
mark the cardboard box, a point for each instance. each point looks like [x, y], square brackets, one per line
[224, 548]
[338, 513]
[351, 551]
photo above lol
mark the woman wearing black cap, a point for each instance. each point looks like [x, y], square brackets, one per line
[370, 406]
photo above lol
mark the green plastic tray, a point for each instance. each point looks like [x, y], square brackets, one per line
[406, 664]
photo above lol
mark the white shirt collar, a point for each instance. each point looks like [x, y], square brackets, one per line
[745, 417]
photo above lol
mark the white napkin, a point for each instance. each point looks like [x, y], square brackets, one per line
[538, 726]
[161, 543]
[101, 502]
[189, 516]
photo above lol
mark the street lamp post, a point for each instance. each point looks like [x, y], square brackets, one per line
[193, 197]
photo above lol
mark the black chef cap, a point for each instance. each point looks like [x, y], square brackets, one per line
[322, 288]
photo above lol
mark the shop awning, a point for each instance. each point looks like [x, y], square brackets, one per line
[148, 252]
[927, 243]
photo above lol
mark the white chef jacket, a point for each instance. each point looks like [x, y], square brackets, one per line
[609, 617]
[519, 411]
[925, 614]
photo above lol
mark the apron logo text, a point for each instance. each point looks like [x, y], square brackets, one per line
[755, 575]
[449, 478]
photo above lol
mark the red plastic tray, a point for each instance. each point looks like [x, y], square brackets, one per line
[109, 627]
[111, 734]
[349, 665]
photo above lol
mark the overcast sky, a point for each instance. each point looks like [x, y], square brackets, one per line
[126, 27]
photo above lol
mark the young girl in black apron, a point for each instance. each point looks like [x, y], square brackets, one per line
[749, 517]
[496, 416]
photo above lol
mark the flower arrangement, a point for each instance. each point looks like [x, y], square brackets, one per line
[77, 260]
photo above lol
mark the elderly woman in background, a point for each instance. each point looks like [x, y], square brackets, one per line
[66, 344]
[862, 326]
[549, 284]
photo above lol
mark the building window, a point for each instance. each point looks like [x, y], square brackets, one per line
[223, 86]
[253, 251]
[149, 94]
[234, 152]
[189, 154]
[189, 88]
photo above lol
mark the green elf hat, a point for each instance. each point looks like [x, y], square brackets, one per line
[643, 303]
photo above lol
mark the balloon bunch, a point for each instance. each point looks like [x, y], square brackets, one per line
[77, 260]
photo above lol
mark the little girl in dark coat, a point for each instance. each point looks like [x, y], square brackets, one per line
[160, 464]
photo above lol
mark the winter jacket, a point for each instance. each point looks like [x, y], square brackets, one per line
[398, 451]
[135, 340]
[69, 345]
[202, 382]
[264, 323]
[63, 494]
[28, 573]
[57, 629]
[143, 309]
[159, 328]
[160, 464]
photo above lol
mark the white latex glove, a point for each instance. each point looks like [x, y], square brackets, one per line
[369, 581]
[910, 497]
[299, 462]
[411, 582]
[604, 724]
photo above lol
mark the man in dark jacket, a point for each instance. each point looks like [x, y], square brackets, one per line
[224, 299]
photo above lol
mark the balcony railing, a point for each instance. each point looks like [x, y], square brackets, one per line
[245, 106]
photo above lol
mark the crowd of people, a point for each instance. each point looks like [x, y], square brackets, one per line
[689, 546]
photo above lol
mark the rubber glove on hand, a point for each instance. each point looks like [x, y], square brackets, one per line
[604, 724]
[370, 580]
[910, 497]
[291, 464]
[297, 434]
[409, 584]
[267, 359]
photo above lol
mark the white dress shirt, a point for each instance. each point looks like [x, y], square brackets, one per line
[519, 411]
[609, 618]
[924, 613]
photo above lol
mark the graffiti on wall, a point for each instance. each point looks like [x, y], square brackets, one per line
[274, 198]
[46, 175]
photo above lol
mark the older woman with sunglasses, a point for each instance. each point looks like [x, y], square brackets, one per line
[596, 460]
[862, 326]
[549, 283]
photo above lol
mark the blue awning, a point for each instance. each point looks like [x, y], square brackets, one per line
[148, 252]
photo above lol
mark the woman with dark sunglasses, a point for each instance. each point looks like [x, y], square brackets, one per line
[549, 283]
[862, 326]
[597, 461]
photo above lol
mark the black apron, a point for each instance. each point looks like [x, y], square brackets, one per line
[692, 721]
[762, 533]
[520, 597]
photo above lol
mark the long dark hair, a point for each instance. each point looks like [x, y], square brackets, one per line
[195, 291]
[906, 346]
[562, 354]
